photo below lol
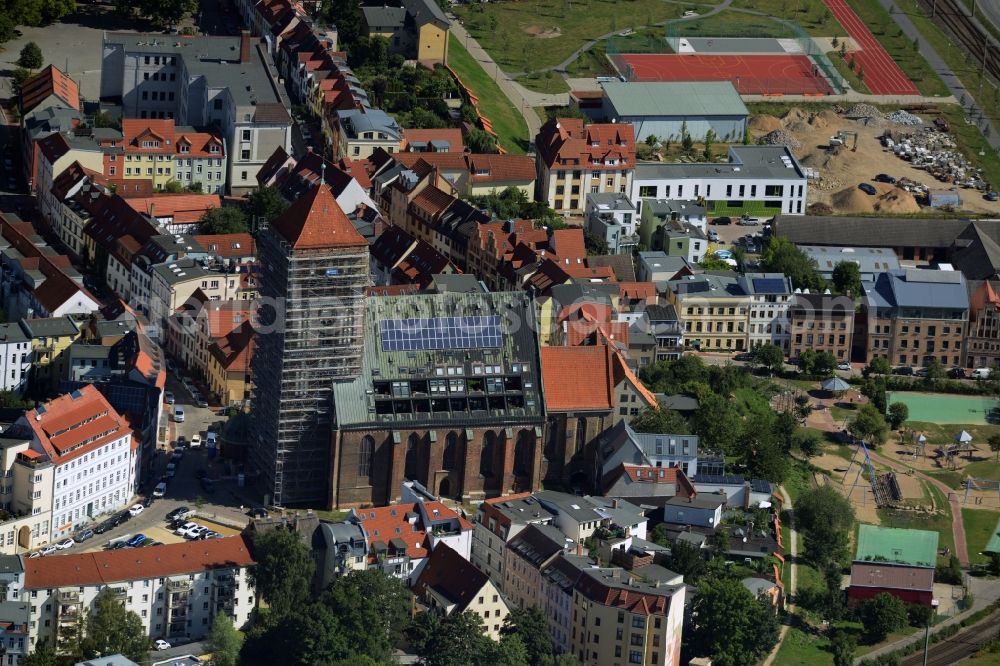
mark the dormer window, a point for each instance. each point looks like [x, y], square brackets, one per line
[185, 148]
[213, 149]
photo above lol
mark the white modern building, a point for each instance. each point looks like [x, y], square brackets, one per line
[611, 216]
[175, 589]
[770, 300]
[759, 180]
[15, 356]
[228, 82]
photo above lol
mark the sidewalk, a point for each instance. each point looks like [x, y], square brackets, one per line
[793, 583]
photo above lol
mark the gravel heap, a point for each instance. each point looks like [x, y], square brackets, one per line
[779, 137]
[864, 111]
[905, 118]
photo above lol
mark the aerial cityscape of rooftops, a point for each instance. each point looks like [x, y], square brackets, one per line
[500, 333]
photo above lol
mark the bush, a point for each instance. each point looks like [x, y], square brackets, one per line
[919, 615]
[950, 573]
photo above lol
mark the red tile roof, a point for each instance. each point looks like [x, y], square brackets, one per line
[432, 201]
[49, 81]
[569, 142]
[637, 291]
[234, 350]
[568, 244]
[652, 474]
[564, 391]
[317, 221]
[75, 423]
[390, 522]
[103, 567]
[228, 245]
[633, 600]
[136, 131]
[200, 144]
[490, 168]
[584, 332]
[453, 136]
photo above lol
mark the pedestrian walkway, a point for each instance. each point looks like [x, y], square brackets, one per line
[793, 583]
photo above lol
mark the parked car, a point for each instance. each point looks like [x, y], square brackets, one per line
[957, 373]
[84, 535]
[844, 366]
[713, 236]
[148, 501]
[903, 370]
[921, 372]
[179, 414]
[136, 541]
[196, 441]
[168, 397]
[868, 189]
[120, 518]
[160, 490]
[992, 196]
[48, 550]
[981, 373]
[722, 220]
[180, 513]
[135, 509]
[103, 527]
[185, 528]
[748, 221]
[195, 532]
[210, 439]
[66, 543]
[34, 555]
[885, 178]
[161, 644]
[201, 402]
[181, 442]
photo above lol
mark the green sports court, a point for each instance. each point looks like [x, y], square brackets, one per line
[940, 408]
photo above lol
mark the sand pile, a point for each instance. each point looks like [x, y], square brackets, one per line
[896, 201]
[817, 121]
[853, 200]
[798, 126]
[764, 123]
[828, 116]
[817, 159]
[794, 114]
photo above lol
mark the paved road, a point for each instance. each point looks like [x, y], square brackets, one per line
[793, 583]
[195, 648]
[936, 62]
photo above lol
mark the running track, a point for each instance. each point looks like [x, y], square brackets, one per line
[882, 75]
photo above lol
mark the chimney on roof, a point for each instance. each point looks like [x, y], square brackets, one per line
[614, 503]
[245, 46]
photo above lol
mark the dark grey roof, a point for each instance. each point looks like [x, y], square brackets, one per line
[355, 402]
[586, 508]
[918, 288]
[14, 332]
[52, 326]
[771, 162]
[621, 264]
[667, 208]
[11, 564]
[873, 231]
[456, 282]
[84, 350]
[537, 543]
[426, 11]
[756, 485]
[665, 312]
[680, 403]
[523, 510]
[868, 259]
[708, 285]
[647, 443]
[181, 270]
[610, 201]
[384, 17]
[566, 569]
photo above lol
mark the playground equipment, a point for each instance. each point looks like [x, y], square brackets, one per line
[972, 483]
[884, 487]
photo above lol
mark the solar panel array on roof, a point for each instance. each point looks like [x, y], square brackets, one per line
[440, 333]
[769, 286]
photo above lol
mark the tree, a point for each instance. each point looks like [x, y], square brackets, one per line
[18, 78]
[782, 256]
[843, 645]
[42, 655]
[814, 363]
[717, 422]
[105, 119]
[809, 442]
[687, 143]
[224, 642]
[31, 56]
[873, 388]
[660, 420]
[480, 141]
[882, 615]
[651, 141]
[532, 627]
[595, 245]
[284, 571]
[458, 640]
[173, 187]
[264, 205]
[7, 28]
[934, 371]
[919, 615]
[869, 425]
[709, 140]
[879, 365]
[224, 220]
[718, 541]
[825, 518]
[167, 13]
[374, 610]
[732, 627]
[109, 628]
[847, 278]
[763, 456]
[686, 559]
[9, 400]
[713, 263]
[769, 357]
[898, 413]
[994, 442]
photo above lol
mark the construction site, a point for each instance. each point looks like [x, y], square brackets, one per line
[844, 147]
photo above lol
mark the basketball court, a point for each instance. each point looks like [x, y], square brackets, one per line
[751, 74]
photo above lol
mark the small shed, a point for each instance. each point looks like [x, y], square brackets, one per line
[939, 198]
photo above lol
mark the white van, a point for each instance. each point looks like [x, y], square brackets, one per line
[981, 373]
[160, 490]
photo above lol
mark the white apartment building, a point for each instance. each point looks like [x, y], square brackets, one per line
[498, 521]
[80, 461]
[175, 589]
[15, 356]
[762, 180]
[612, 217]
[173, 283]
[770, 300]
[229, 82]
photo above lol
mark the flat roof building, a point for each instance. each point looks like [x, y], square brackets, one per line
[666, 109]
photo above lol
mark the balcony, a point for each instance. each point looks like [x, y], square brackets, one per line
[178, 586]
[68, 596]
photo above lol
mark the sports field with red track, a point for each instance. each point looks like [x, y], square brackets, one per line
[751, 74]
[882, 75]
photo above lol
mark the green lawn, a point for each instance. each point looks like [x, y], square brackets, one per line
[592, 62]
[507, 121]
[939, 434]
[731, 24]
[979, 526]
[899, 48]
[534, 34]
[914, 521]
[800, 648]
[948, 478]
[544, 82]
[850, 76]
[810, 14]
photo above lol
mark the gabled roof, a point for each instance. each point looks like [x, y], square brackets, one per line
[317, 221]
[650, 474]
[113, 566]
[234, 350]
[570, 142]
[74, 424]
[183, 208]
[561, 378]
[452, 576]
[48, 82]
